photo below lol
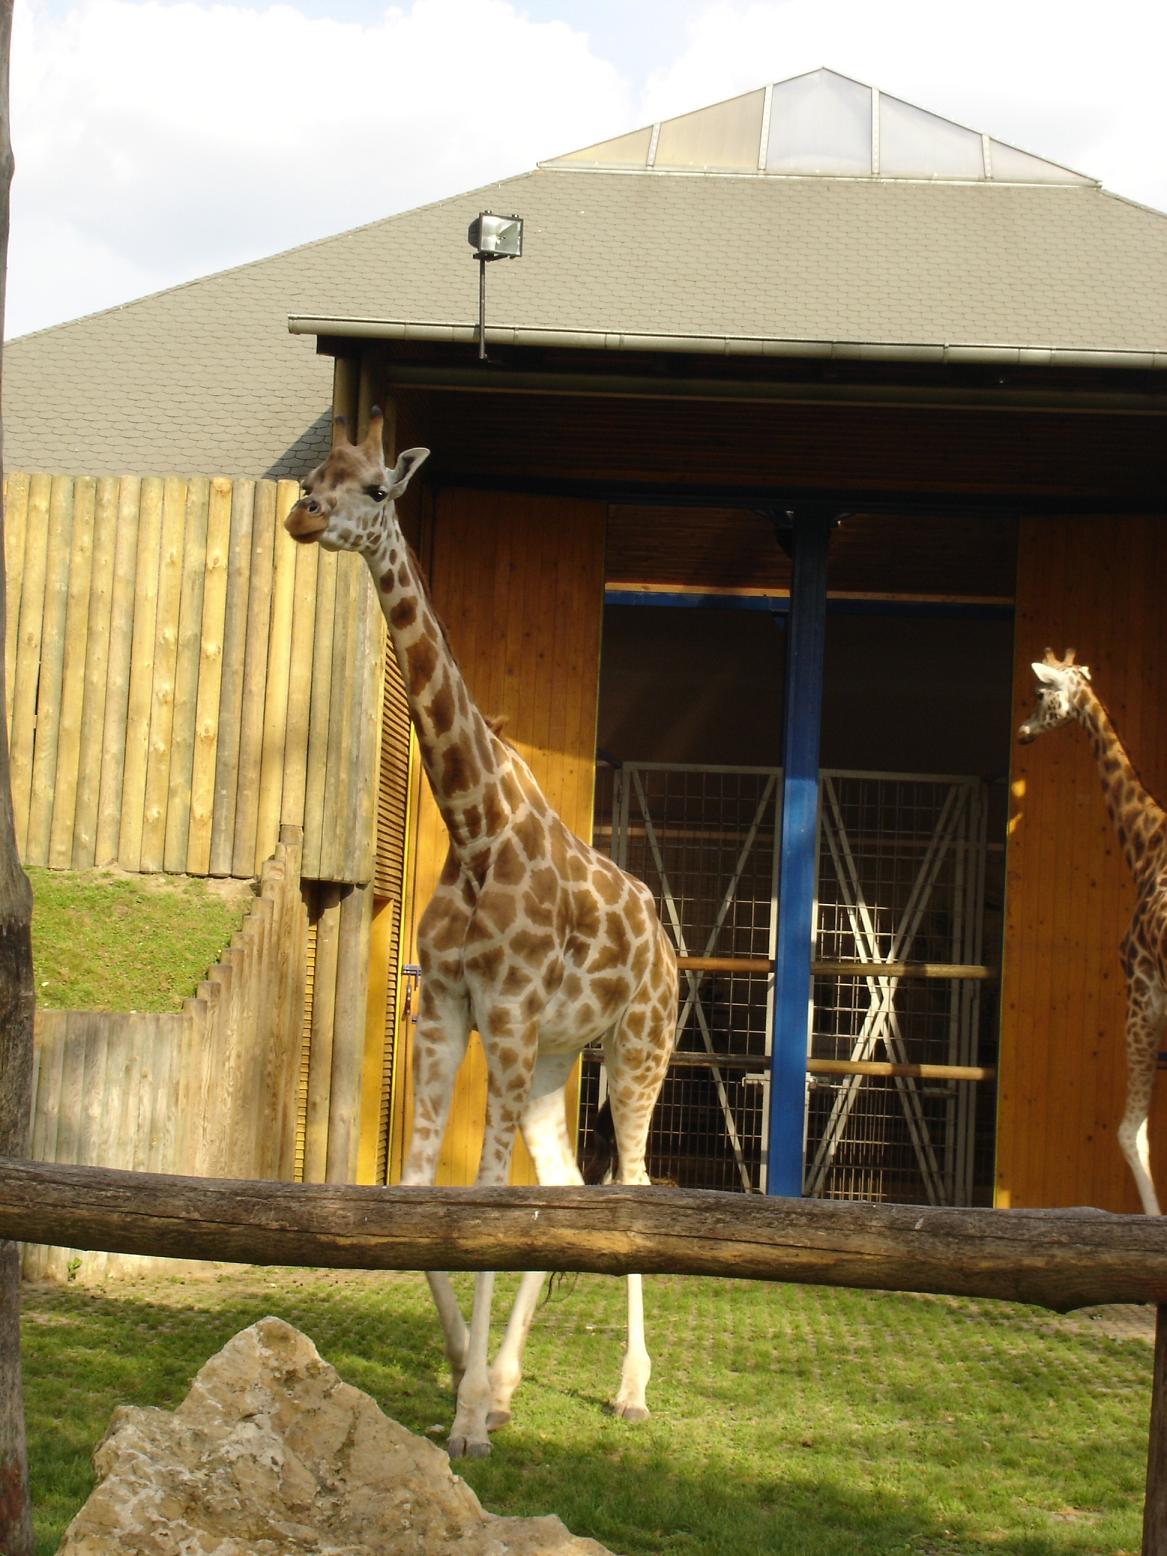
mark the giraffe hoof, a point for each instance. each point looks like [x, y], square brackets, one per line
[630, 1413]
[466, 1448]
[498, 1419]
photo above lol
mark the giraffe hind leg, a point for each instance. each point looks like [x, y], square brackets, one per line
[507, 1090]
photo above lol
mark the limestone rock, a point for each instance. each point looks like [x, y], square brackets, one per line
[272, 1454]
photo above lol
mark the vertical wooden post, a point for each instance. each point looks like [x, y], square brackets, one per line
[805, 640]
[1155, 1506]
[16, 1008]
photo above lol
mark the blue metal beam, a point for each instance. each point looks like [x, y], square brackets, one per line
[805, 643]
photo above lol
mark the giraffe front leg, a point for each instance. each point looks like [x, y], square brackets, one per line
[1143, 1030]
[443, 1029]
[510, 1065]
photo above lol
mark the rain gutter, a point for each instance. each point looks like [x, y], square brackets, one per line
[941, 353]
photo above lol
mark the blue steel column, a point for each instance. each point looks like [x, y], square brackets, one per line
[805, 642]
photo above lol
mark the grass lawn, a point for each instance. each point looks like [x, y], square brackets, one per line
[787, 1420]
[108, 941]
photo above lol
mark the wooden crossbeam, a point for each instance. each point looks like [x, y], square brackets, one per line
[762, 966]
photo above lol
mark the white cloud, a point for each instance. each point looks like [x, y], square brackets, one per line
[159, 140]
[156, 142]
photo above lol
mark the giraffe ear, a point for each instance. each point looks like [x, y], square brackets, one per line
[1046, 674]
[408, 464]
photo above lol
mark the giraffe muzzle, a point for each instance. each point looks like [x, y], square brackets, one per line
[305, 523]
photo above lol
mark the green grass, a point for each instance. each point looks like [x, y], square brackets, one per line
[787, 1420]
[102, 941]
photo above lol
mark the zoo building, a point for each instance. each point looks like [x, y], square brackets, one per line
[794, 430]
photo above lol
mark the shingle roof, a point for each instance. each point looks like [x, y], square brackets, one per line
[207, 378]
[748, 260]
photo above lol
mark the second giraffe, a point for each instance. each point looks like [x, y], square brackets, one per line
[1064, 693]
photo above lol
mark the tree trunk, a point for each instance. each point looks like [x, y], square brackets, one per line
[16, 996]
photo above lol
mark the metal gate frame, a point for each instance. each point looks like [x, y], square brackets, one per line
[959, 829]
[961, 826]
[694, 976]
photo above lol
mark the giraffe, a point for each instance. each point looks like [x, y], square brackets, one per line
[531, 937]
[1064, 694]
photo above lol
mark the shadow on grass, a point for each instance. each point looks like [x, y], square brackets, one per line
[800, 1448]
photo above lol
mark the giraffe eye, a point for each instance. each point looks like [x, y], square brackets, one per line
[377, 493]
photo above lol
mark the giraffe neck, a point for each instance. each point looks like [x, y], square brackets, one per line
[1139, 821]
[461, 755]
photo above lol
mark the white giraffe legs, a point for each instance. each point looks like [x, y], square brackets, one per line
[629, 1403]
[508, 1088]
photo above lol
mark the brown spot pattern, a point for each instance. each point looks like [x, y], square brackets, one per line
[441, 710]
[508, 869]
[422, 658]
[458, 772]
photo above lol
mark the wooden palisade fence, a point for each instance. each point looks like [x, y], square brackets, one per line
[1057, 1259]
[218, 1089]
[183, 679]
[184, 683]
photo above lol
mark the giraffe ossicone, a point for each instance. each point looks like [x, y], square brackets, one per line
[531, 937]
[1065, 695]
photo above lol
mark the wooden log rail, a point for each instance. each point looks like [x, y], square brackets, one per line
[1056, 1259]
[1059, 1259]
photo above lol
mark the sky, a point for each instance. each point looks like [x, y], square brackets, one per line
[157, 141]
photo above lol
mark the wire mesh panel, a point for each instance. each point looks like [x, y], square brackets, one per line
[901, 878]
[703, 841]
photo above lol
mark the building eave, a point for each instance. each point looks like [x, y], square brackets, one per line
[942, 353]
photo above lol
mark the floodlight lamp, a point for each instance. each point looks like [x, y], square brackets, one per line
[496, 237]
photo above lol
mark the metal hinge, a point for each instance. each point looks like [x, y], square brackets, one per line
[411, 972]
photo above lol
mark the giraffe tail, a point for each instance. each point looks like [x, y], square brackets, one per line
[601, 1159]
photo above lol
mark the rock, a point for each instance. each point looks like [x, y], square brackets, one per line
[271, 1453]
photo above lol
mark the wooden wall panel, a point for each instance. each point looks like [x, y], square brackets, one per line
[518, 582]
[1096, 585]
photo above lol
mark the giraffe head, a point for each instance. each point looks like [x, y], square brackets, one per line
[348, 502]
[1058, 684]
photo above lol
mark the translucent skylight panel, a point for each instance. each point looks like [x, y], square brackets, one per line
[917, 144]
[724, 137]
[629, 150]
[1020, 167]
[820, 123]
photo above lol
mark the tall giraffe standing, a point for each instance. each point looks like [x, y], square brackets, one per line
[1064, 693]
[531, 937]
